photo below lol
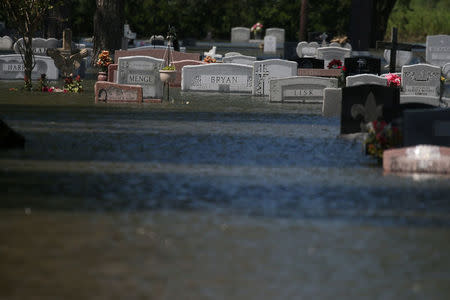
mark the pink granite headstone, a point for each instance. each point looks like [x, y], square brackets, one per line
[418, 159]
[112, 69]
[320, 72]
[113, 92]
[179, 66]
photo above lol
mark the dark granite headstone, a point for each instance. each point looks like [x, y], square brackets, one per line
[290, 50]
[366, 103]
[309, 63]
[362, 65]
[426, 126]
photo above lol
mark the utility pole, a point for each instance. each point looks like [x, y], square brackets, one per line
[303, 21]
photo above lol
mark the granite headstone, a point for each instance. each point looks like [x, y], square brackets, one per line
[265, 70]
[300, 89]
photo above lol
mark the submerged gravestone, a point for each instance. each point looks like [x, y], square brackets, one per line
[270, 44]
[300, 89]
[240, 35]
[309, 63]
[426, 126]
[113, 92]
[276, 32]
[6, 43]
[362, 65]
[366, 103]
[222, 77]
[265, 70]
[330, 53]
[239, 59]
[12, 67]
[143, 71]
[403, 58]
[365, 79]
[421, 83]
[438, 49]
[39, 45]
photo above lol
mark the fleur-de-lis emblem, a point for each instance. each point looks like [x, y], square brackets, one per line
[370, 111]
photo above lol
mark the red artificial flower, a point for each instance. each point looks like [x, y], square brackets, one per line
[78, 78]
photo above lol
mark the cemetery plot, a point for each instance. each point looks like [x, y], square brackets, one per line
[143, 71]
[421, 84]
[365, 79]
[300, 89]
[265, 70]
[11, 67]
[112, 92]
[218, 78]
[438, 49]
[366, 103]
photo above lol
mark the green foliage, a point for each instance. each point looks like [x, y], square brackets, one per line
[419, 19]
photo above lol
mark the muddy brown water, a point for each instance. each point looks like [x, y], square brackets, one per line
[208, 196]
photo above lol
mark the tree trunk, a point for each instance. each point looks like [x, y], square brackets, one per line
[303, 20]
[28, 60]
[108, 26]
[383, 9]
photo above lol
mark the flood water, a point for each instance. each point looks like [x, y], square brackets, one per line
[208, 196]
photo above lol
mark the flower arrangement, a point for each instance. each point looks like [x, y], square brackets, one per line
[381, 136]
[209, 60]
[256, 27]
[43, 83]
[73, 86]
[337, 64]
[393, 80]
[170, 67]
[104, 60]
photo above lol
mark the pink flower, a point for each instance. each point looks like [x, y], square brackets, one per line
[393, 79]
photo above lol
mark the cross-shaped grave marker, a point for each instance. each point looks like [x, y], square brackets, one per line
[394, 46]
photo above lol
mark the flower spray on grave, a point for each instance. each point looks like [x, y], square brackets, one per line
[256, 29]
[394, 80]
[337, 64]
[103, 61]
[209, 60]
[381, 136]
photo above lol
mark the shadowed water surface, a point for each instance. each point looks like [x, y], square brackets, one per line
[209, 196]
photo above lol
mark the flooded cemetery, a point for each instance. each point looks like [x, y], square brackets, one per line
[247, 168]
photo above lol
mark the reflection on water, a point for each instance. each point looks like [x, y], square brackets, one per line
[209, 197]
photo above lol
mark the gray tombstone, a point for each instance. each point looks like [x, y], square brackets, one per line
[305, 49]
[240, 35]
[39, 45]
[330, 53]
[403, 58]
[143, 71]
[426, 126]
[438, 49]
[239, 59]
[228, 54]
[446, 70]
[421, 83]
[11, 67]
[300, 89]
[332, 102]
[276, 32]
[265, 70]
[365, 79]
[270, 44]
[6, 43]
[222, 77]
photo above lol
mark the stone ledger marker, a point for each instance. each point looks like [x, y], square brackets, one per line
[143, 71]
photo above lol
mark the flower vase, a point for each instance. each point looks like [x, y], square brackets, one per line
[102, 76]
[257, 35]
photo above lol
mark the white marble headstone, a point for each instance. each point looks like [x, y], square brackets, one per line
[143, 71]
[365, 79]
[402, 58]
[265, 70]
[240, 35]
[232, 54]
[276, 32]
[11, 67]
[223, 77]
[270, 44]
[305, 49]
[421, 83]
[300, 89]
[6, 43]
[330, 53]
[446, 70]
[438, 49]
[239, 59]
